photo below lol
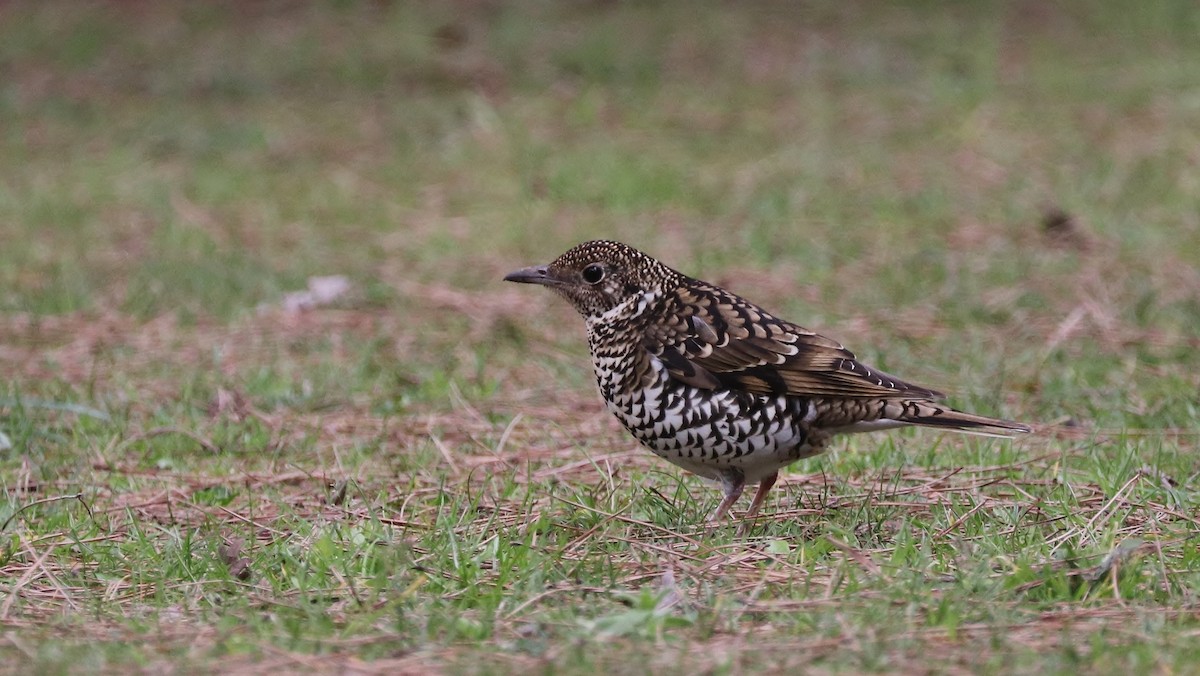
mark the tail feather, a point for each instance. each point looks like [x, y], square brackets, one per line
[930, 414]
[843, 416]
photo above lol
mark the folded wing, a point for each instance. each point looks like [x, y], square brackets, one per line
[715, 339]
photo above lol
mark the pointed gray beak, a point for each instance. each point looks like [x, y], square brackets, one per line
[539, 274]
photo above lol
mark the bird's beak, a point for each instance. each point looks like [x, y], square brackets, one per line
[539, 274]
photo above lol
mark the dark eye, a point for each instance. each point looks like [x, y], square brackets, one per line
[593, 273]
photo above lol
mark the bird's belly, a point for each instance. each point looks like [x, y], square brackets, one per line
[707, 432]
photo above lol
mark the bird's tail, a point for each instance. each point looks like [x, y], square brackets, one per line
[840, 416]
[931, 414]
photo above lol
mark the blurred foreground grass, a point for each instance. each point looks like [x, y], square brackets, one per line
[1001, 200]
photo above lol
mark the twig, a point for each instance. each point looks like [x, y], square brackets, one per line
[57, 498]
[862, 559]
[959, 521]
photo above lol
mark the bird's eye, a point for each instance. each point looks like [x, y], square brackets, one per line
[593, 273]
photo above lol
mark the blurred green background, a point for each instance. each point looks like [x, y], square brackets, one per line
[982, 167]
[200, 157]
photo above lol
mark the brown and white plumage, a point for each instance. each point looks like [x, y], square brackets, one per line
[715, 384]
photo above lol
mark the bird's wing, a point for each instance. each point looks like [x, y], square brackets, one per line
[713, 339]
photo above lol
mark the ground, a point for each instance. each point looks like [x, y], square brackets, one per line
[202, 472]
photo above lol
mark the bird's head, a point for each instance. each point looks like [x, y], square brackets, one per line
[598, 276]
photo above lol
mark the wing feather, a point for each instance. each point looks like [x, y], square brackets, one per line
[715, 339]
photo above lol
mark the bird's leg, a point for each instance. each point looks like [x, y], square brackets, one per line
[764, 487]
[732, 480]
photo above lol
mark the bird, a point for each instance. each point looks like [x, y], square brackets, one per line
[720, 387]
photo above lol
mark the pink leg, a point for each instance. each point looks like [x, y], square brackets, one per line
[764, 487]
[732, 481]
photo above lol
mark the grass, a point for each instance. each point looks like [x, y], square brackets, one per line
[999, 200]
